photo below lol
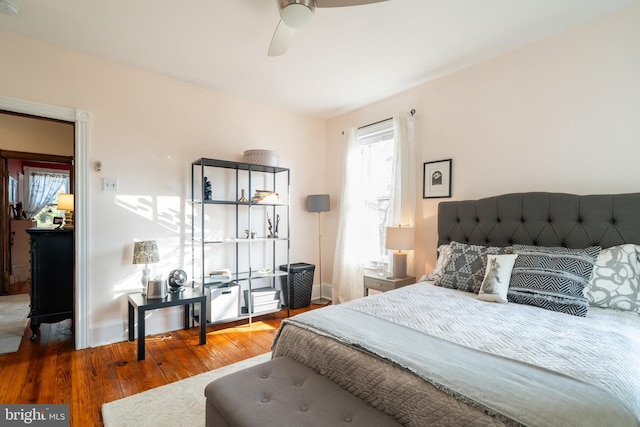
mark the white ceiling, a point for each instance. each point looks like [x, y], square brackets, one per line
[345, 58]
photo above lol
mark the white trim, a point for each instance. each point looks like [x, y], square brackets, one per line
[82, 121]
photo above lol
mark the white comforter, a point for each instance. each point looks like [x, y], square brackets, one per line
[602, 349]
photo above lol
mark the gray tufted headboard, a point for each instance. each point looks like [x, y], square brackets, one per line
[543, 219]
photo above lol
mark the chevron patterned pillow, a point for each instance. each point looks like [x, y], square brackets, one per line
[552, 278]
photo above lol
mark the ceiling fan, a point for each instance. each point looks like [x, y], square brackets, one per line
[295, 14]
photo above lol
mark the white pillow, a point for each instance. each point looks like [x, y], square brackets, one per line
[496, 278]
[615, 282]
[444, 257]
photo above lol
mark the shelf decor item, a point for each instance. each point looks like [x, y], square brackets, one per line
[400, 238]
[319, 203]
[145, 252]
[65, 203]
[208, 191]
[261, 157]
[437, 179]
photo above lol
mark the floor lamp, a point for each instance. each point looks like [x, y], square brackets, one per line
[319, 203]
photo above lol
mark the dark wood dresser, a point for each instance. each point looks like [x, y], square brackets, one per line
[51, 276]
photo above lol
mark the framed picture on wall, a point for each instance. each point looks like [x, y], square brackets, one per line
[437, 179]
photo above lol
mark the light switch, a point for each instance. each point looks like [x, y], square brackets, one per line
[109, 184]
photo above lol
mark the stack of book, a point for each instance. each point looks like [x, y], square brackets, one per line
[265, 196]
[223, 275]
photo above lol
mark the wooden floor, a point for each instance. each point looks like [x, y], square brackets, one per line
[49, 370]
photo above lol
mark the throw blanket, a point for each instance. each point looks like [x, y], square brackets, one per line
[508, 387]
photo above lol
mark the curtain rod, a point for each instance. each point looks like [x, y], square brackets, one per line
[413, 112]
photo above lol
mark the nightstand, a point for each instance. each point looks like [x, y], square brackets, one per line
[383, 284]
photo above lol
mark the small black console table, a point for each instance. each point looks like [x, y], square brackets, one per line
[142, 303]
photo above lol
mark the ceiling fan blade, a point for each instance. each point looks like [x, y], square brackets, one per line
[339, 3]
[281, 39]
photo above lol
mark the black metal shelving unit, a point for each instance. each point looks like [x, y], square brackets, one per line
[228, 179]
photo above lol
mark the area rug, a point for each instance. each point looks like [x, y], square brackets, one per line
[14, 312]
[179, 403]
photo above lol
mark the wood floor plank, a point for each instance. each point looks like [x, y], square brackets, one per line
[50, 370]
[49, 389]
[108, 375]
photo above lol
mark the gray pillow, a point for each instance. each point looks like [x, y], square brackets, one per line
[465, 271]
[615, 282]
[444, 257]
[552, 278]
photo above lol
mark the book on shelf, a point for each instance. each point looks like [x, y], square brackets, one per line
[264, 196]
[222, 275]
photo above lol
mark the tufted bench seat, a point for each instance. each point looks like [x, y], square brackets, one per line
[282, 392]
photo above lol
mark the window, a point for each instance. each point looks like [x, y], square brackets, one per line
[42, 187]
[377, 154]
[13, 190]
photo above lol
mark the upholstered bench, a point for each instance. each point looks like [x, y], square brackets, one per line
[282, 392]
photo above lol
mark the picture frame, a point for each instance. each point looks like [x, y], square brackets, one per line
[437, 179]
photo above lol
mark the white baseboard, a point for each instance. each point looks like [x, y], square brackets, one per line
[156, 322]
[326, 291]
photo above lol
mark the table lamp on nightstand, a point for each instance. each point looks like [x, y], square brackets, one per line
[400, 238]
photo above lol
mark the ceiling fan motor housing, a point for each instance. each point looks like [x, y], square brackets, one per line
[296, 13]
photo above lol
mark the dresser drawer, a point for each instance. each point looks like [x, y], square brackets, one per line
[378, 284]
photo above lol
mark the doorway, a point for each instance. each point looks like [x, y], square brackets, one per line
[82, 120]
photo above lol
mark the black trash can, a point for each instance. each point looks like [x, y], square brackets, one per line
[301, 277]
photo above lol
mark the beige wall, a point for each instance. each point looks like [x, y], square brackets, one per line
[19, 133]
[560, 115]
[146, 130]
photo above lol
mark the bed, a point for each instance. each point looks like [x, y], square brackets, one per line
[565, 349]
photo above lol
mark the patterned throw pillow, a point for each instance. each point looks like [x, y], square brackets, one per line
[444, 257]
[496, 278]
[552, 278]
[615, 282]
[465, 271]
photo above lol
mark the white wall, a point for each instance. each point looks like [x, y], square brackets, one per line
[561, 115]
[146, 130]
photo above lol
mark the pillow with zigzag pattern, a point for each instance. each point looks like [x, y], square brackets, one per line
[552, 278]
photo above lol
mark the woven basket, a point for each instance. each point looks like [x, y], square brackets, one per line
[261, 157]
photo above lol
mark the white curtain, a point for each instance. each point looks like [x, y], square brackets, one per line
[404, 176]
[404, 171]
[43, 188]
[353, 234]
[348, 263]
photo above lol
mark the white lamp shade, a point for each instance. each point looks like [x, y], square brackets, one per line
[65, 202]
[400, 238]
[318, 203]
